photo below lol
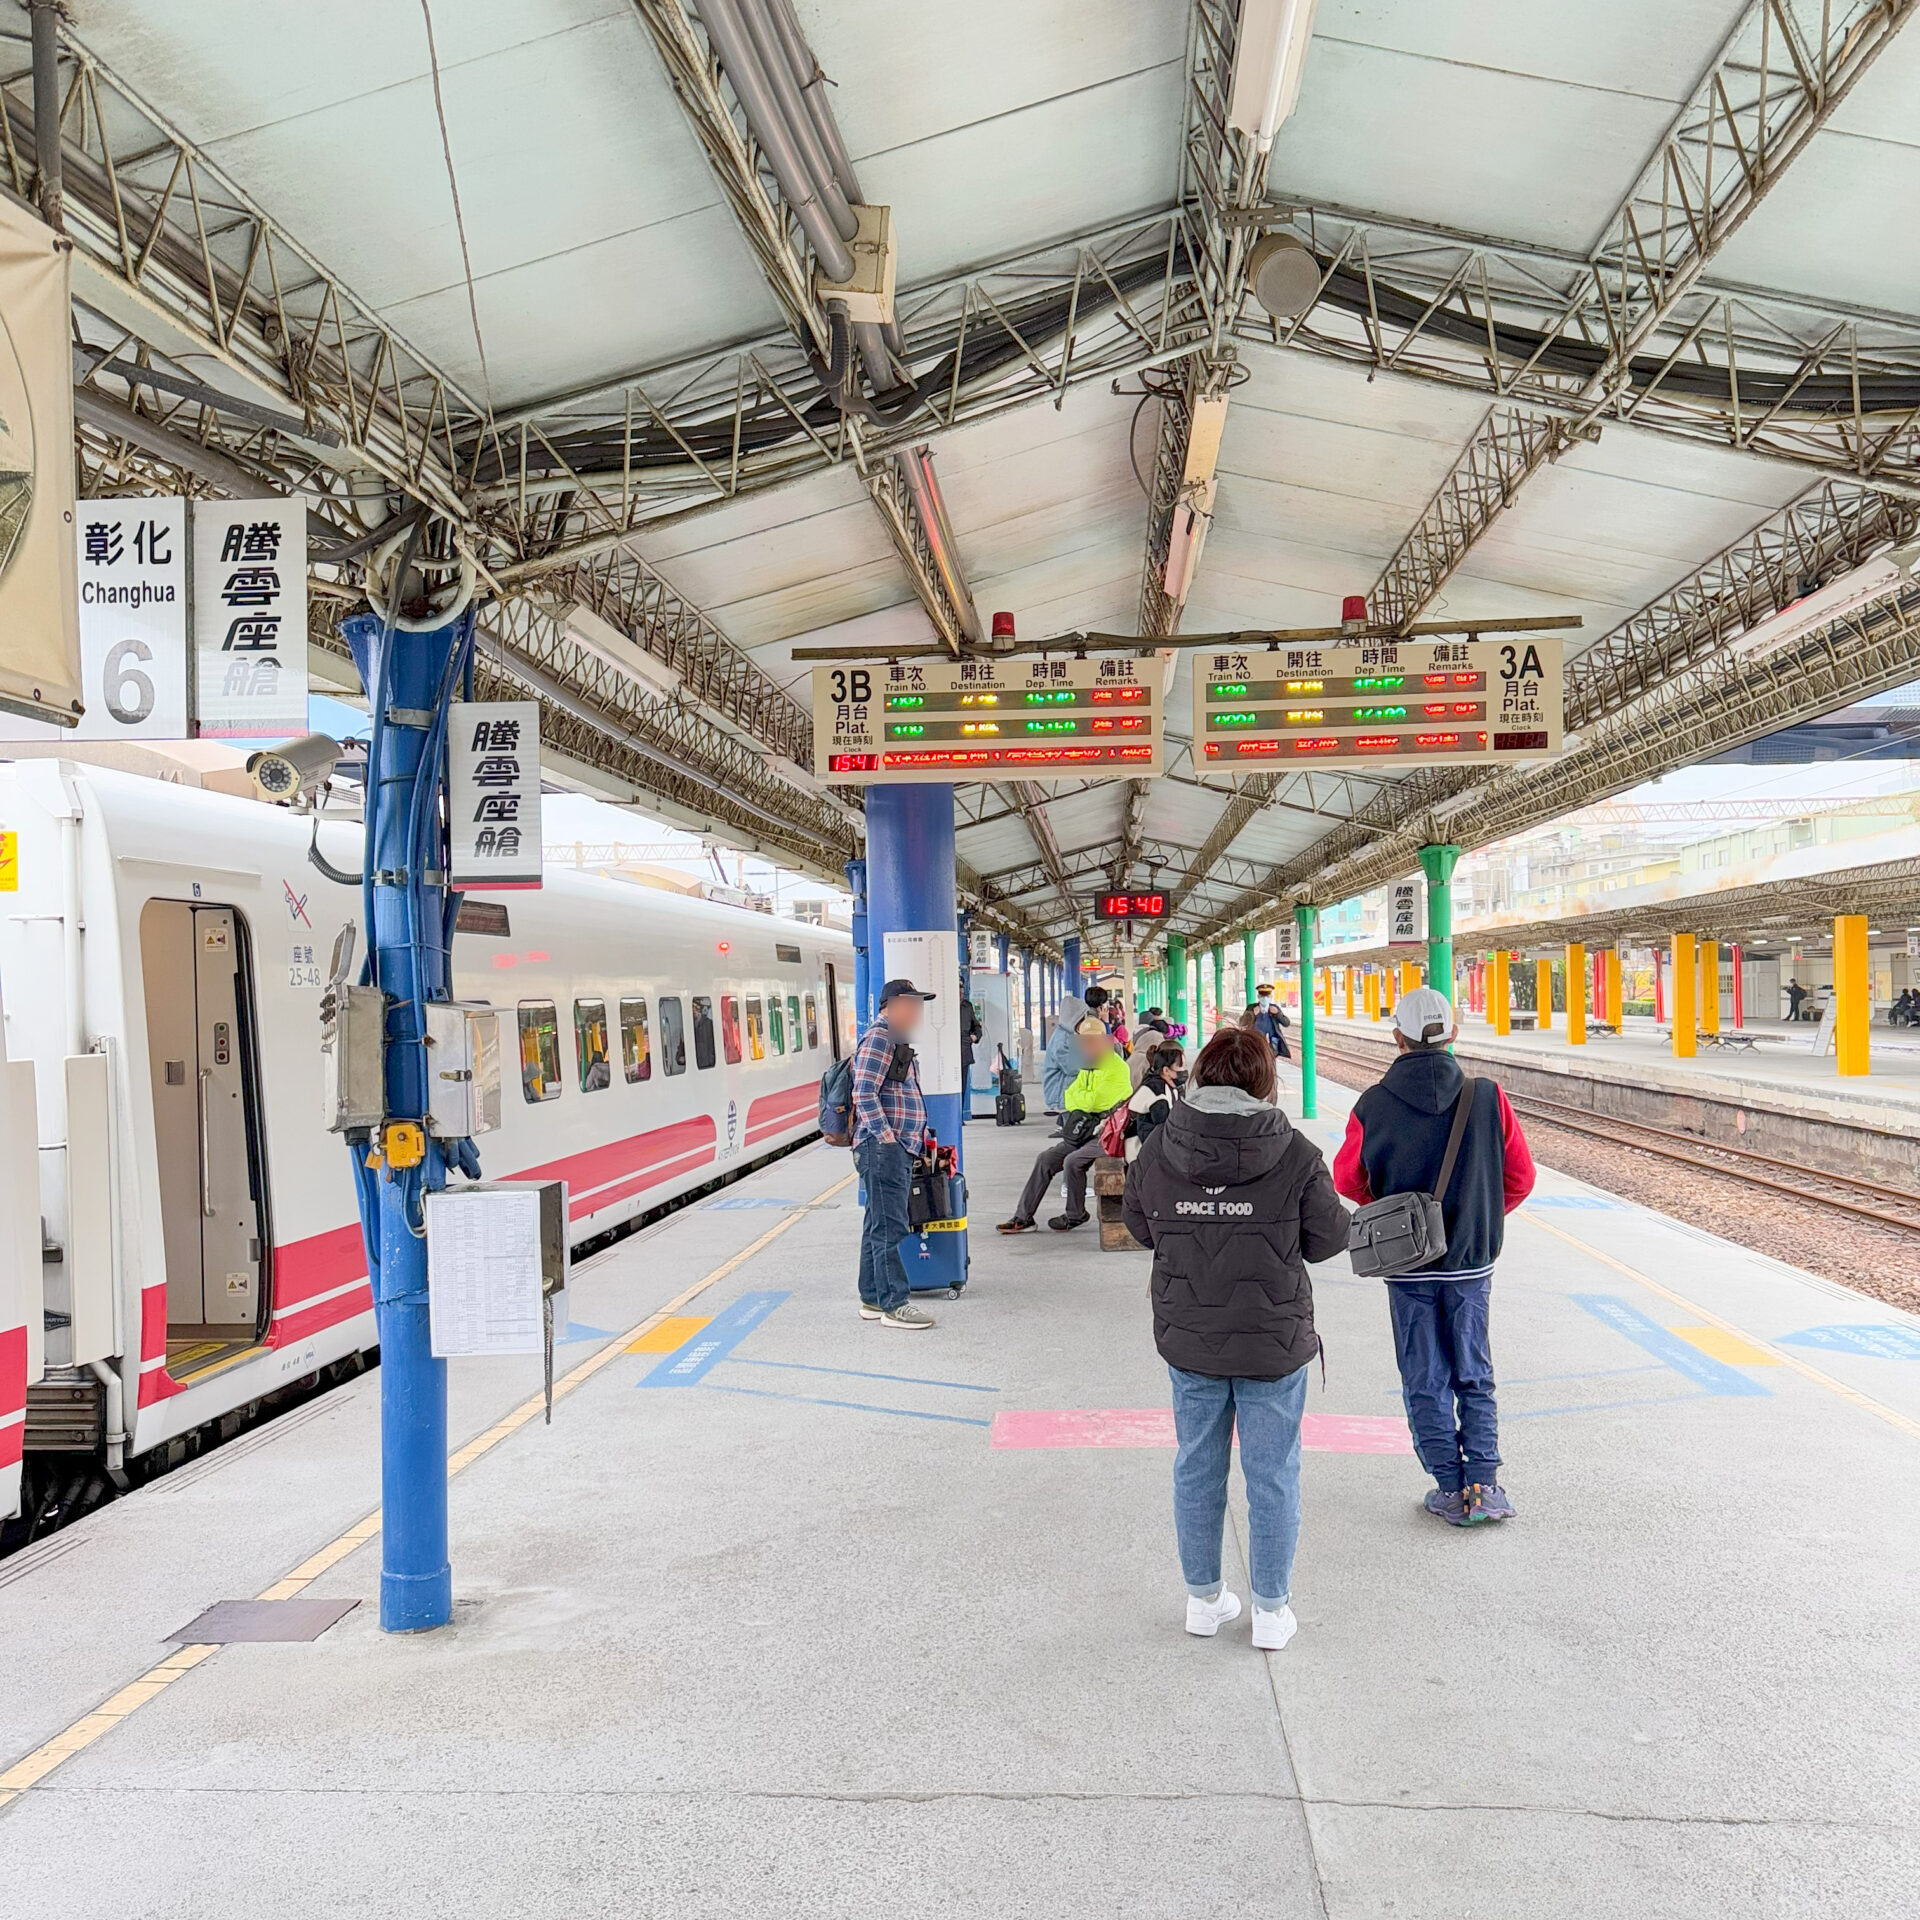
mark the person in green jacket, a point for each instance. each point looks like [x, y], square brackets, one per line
[1102, 1084]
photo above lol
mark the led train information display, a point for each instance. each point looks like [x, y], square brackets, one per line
[1394, 702]
[986, 719]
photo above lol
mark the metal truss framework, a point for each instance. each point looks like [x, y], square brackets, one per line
[1508, 448]
[175, 260]
[1775, 81]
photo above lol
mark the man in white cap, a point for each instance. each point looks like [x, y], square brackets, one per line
[1396, 1140]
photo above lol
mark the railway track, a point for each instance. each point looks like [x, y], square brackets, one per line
[1870, 1200]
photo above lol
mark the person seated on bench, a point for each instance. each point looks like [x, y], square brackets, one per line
[1901, 1013]
[1102, 1084]
[1153, 1098]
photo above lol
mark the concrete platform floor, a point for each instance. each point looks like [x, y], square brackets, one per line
[800, 1639]
[1781, 1069]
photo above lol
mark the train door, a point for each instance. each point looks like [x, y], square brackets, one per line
[833, 1011]
[206, 1115]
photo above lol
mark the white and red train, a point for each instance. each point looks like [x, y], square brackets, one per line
[182, 1240]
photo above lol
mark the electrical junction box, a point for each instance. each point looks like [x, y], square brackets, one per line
[868, 295]
[353, 1073]
[463, 1069]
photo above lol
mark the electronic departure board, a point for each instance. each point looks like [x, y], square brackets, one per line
[1130, 906]
[1392, 702]
[987, 719]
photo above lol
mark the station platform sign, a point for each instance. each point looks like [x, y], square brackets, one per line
[1390, 702]
[988, 719]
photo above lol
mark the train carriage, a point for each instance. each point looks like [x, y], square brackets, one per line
[197, 1247]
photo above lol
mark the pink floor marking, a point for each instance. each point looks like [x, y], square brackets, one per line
[1153, 1427]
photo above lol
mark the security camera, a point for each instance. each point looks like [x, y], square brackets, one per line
[286, 773]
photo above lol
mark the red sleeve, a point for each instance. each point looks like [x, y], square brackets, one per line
[1519, 1176]
[1350, 1177]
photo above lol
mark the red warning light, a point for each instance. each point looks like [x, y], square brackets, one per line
[726, 946]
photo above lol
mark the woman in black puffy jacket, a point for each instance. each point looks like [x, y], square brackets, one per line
[1234, 1203]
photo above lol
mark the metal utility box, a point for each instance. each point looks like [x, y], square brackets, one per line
[463, 1069]
[353, 1075]
[868, 294]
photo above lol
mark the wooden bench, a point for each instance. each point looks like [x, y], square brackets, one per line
[1735, 1039]
[1109, 1191]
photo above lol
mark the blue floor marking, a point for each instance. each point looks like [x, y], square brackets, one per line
[1701, 1368]
[852, 1406]
[854, 1373]
[692, 1363]
[740, 1202]
[1590, 1202]
[1596, 1373]
[1604, 1406]
[579, 1330]
[1883, 1340]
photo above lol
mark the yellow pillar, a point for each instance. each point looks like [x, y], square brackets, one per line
[1708, 963]
[1576, 996]
[1499, 1002]
[1615, 1013]
[1852, 994]
[1543, 995]
[1684, 998]
[1409, 975]
[1348, 971]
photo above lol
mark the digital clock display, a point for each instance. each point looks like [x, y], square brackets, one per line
[1133, 906]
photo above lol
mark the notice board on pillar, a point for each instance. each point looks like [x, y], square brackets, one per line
[493, 794]
[987, 719]
[931, 961]
[1392, 702]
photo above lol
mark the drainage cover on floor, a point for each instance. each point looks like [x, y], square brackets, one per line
[263, 1620]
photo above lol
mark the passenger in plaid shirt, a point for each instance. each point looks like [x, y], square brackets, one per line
[888, 1118]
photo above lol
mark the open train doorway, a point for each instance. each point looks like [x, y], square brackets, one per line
[203, 1063]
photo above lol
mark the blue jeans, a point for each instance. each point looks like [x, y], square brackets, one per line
[887, 1173]
[1268, 1412]
[1446, 1377]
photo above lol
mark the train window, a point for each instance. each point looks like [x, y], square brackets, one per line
[703, 1032]
[590, 1045]
[756, 1028]
[777, 1026]
[813, 1021]
[633, 1039]
[793, 1019]
[673, 1035]
[539, 1050]
[729, 1030]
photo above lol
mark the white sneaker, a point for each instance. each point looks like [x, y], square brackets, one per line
[908, 1316]
[868, 1311]
[1207, 1617]
[1272, 1631]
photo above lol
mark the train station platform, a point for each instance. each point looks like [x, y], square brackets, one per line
[789, 1615]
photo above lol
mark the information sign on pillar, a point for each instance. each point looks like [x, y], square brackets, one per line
[931, 960]
[1406, 915]
[493, 794]
[250, 618]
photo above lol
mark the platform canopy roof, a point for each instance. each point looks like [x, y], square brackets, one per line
[1610, 312]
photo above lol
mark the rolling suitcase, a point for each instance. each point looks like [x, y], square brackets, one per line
[1010, 1101]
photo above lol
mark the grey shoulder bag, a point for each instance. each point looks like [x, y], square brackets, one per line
[1393, 1236]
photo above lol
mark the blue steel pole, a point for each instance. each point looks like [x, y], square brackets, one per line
[911, 889]
[1070, 966]
[862, 959]
[409, 683]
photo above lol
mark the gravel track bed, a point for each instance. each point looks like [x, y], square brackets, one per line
[1881, 1262]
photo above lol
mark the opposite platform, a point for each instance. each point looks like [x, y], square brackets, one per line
[794, 1615]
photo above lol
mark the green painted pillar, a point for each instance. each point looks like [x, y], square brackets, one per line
[1177, 998]
[1246, 963]
[1437, 864]
[1219, 986]
[1304, 920]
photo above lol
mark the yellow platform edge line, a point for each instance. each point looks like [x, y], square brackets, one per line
[1733, 1349]
[1864, 1401]
[28, 1771]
